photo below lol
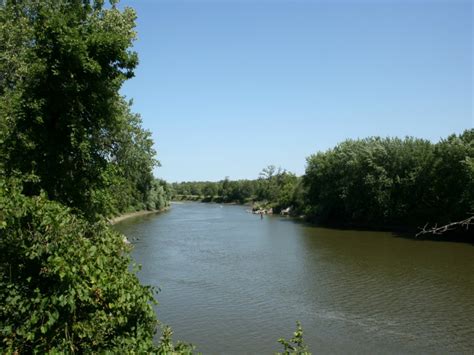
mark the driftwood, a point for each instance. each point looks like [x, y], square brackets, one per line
[448, 227]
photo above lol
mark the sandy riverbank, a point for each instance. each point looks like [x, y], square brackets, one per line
[122, 217]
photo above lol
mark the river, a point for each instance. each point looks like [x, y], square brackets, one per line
[233, 283]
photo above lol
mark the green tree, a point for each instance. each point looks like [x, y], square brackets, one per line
[71, 153]
[62, 64]
[210, 189]
[129, 177]
[159, 195]
[383, 181]
[454, 177]
[287, 184]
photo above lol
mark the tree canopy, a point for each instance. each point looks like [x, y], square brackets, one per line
[380, 181]
[72, 153]
[62, 64]
[373, 182]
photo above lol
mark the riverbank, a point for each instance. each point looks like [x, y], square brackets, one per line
[203, 199]
[404, 231]
[125, 216]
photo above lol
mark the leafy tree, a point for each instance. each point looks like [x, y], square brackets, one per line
[454, 177]
[71, 153]
[61, 66]
[287, 185]
[160, 195]
[277, 186]
[210, 189]
[268, 188]
[378, 181]
[130, 182]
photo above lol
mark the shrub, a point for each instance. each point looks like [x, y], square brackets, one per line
[66, 284]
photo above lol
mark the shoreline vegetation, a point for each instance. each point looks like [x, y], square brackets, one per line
[128, 215]
[73, 154]
[403, 185]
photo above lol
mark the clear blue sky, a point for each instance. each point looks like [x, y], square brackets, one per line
[229, 87]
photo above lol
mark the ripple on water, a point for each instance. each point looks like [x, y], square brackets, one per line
[232, 282]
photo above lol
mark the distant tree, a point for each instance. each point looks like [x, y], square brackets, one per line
[287, 184]
[267, 189]
[268, 172]
[210, 189]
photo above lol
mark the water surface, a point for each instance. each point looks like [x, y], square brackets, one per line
[233, 283]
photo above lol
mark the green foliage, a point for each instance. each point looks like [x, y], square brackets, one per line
[66, 283]
[131, 185]
[159, 196]
[236, 191]
[378, 181]
[71, 153]
[453, 180]
[210, 189]
[275, 188]
[167, 347]
[62, 64]
[296, 344]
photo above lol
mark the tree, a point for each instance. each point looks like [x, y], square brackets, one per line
[61, 66]
[129, 177]
[267, 187]
[454, 177]
[71, 153]
[380, 181]
[210, 189]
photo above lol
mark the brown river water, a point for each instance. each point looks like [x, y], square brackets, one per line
[233, 283]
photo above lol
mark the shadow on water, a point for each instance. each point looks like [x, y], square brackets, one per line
[450, 237]
[453, 236]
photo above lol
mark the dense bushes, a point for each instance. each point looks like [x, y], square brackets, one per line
[65, 283]
[380, 181]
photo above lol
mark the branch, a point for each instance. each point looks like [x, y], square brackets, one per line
[443, 229]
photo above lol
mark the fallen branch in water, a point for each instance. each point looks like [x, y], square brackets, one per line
[448, 227]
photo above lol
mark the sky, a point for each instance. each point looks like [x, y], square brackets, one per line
[229, 87]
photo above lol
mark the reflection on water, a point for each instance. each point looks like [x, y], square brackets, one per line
[233, 283]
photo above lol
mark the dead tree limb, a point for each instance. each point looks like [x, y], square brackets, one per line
[448, 227]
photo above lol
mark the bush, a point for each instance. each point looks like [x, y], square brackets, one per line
[66, 284]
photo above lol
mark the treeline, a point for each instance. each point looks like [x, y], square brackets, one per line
[72, 154]
[391, 181]
[373, 182]
[275, 188]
